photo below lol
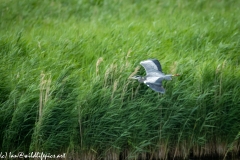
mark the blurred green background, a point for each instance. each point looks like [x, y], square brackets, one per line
[65, 87]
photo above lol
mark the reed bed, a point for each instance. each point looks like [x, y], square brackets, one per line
[65, 87]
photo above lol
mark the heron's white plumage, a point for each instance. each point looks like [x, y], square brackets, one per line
[154, 75]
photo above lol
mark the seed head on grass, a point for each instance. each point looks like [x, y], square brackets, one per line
[115, 85]
[99, 61]
[135, 72]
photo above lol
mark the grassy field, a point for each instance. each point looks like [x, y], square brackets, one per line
[65, 87]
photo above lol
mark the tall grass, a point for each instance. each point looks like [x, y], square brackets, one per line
[65, 87]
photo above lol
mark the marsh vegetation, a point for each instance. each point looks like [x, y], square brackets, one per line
[64, 84]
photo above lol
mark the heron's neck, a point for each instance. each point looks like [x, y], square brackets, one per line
[142, 79]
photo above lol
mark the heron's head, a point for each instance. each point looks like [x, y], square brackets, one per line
[139, 78]
[136, 77]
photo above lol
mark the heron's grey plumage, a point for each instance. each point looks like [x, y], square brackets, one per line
[151, 65]
[154, 75]
[155, 87]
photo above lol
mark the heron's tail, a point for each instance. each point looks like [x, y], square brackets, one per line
[168, 77]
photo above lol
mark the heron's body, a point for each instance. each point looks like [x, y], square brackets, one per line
[154, 75]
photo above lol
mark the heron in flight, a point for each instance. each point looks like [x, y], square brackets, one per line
[154, 75]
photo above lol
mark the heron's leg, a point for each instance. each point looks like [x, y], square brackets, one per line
[168, 77]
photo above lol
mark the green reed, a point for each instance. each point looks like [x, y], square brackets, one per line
[65, 86]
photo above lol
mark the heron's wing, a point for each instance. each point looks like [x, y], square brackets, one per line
[156, 87]
[151, 65]
[154, 79]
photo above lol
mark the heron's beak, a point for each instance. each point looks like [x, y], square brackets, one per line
[132, 78]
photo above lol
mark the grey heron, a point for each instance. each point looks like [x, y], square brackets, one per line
[154, 75]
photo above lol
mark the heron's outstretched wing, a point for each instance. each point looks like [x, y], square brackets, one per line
[151, 65]
[156, 87]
